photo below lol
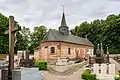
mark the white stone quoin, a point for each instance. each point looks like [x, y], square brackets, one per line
[103, 68]
[111, 69]
[96, 68]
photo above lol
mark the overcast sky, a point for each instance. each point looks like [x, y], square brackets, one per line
[32, 13]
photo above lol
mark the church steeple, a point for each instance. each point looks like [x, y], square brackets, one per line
[63, 22]
[63, 27]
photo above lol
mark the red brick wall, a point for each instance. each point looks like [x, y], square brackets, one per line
[62, 52]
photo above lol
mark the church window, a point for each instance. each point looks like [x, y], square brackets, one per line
[69, 51]
[52, 49]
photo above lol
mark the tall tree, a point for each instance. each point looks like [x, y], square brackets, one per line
[106, 31]
[4, 23]
[23, 39]
[111, 33]
[37, 36]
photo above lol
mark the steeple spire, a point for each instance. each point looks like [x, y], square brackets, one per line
[63, 22]
[63, 8]
[63, 27]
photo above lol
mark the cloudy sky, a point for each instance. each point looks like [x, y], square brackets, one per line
[32, 13]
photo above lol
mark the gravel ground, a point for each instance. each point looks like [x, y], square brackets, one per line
[72, 73]
[75, 76]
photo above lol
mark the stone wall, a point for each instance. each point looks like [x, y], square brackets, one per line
[61, 50]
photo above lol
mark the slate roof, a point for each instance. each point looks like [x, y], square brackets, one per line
[54, 35]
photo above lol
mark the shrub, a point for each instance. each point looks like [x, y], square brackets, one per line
[42, 65]
[117, 78]
[88, 76]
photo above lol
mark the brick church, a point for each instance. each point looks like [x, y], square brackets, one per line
[61, 44]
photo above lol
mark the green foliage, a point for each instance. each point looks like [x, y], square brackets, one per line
[37, 36]
[117, 78]
[4, 22]
[88, 76]
[24, 38]
[106, 31]
[42, 65]
[29, 41]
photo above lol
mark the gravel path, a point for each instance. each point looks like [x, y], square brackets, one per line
[68, 71]
[72, 73]
[75, 76]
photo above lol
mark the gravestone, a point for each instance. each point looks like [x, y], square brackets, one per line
[103, 68]
[99, 57]
[4, 74]
[27, 74]
[99, 54]
[111, 69]
[96, 68]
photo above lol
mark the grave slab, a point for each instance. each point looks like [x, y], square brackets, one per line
[111, 69]
[96, 68]
[103, 68]
[27, 74]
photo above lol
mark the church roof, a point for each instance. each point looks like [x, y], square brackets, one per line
[54, 35]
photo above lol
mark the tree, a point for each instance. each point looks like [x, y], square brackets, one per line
[106, 31]
[81, 30]
[111, 33]
[23, 39]
[37, 36]
[4, 23]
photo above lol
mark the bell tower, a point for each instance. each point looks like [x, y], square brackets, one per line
[63, 27]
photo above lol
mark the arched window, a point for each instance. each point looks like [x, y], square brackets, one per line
[69, 51]
[52, 49]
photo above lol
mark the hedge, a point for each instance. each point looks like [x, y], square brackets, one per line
[42, 65]
[88, 76]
